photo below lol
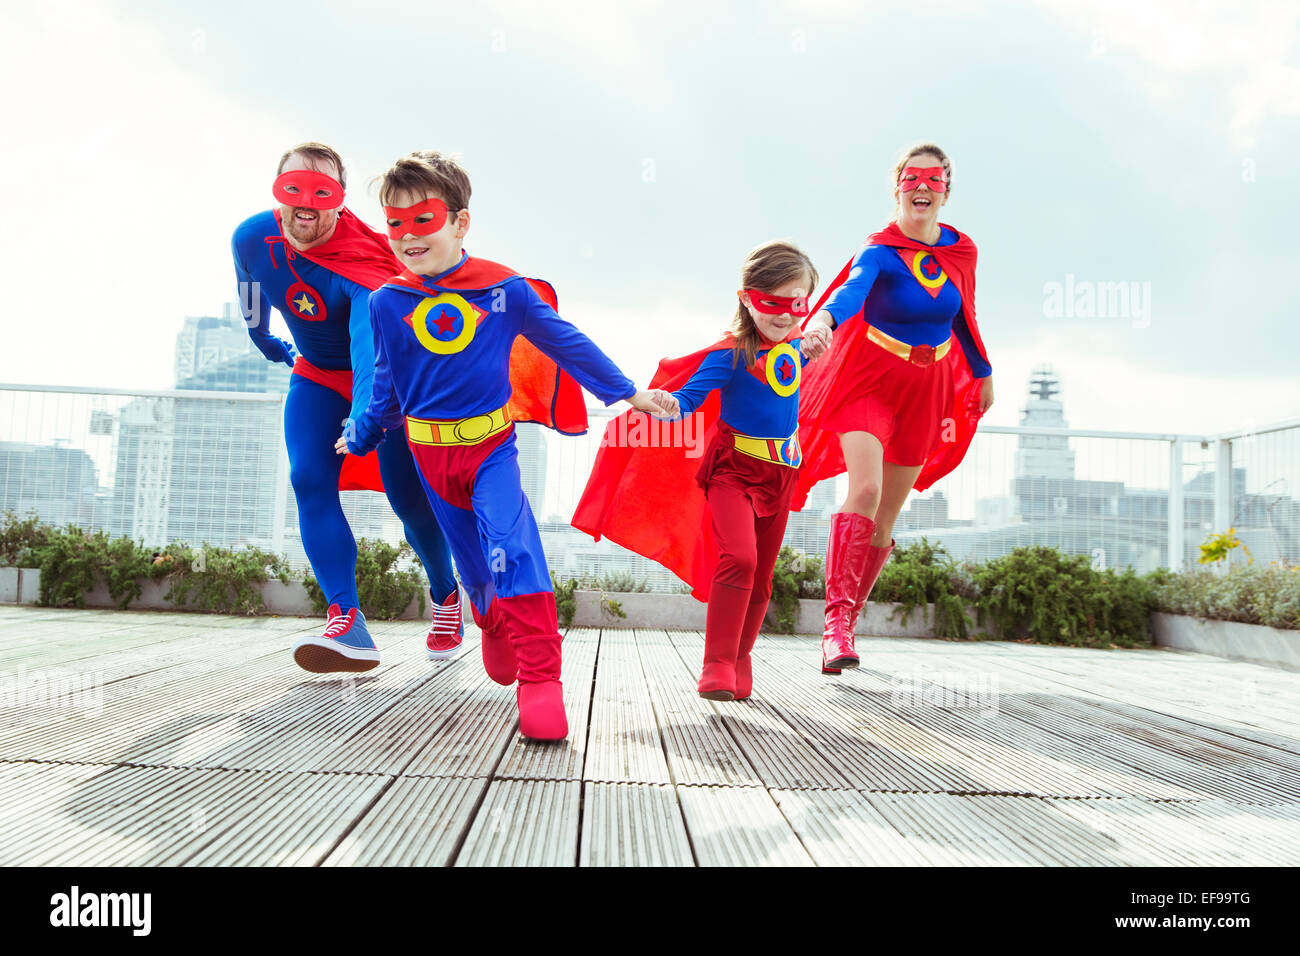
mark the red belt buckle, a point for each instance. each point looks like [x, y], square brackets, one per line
[921, 355]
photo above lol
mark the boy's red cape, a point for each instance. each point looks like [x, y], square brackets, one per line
[541, 391]
[646, 498]
[822, 389]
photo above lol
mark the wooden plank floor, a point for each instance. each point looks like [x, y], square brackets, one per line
[141, 739]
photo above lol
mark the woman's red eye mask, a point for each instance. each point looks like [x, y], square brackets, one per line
[932, 176]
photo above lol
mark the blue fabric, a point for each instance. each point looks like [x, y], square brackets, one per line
[749, 403]
[342, 341]
[497, 546]
[410, 379]
[364, 434]
[898, 305]
[311, 417]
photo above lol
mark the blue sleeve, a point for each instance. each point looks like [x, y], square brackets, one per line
[571, 350]
[361, 346]
[846, 301]
[384, 408]
[979, 368]
[714, 372]
[253, 303]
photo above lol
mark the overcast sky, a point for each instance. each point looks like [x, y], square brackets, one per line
[632, 153]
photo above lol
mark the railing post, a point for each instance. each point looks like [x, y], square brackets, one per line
[281, 491]
[1223, 486]
[1176, 520]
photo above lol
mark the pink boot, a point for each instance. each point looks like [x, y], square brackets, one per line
[876, 558]
[498, 650]
[846, 560]
[530, 620]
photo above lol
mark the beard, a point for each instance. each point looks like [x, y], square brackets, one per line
[309, 231]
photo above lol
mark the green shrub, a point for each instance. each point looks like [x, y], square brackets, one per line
[1041, 595]
[20, 538]
[1268, 595]
[566, 601]
[384, 590]
[622, 582]
[73, 561]
[920, 574]
[795, 576]
[220, 580]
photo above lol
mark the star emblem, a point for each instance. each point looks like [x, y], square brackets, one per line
[930, 267]
[305, 305]
[446, 322]
[785, 369]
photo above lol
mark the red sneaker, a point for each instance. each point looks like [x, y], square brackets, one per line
[447, 635]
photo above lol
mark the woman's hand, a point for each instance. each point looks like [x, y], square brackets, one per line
[816, 340]
[986, 394]
[656, 402]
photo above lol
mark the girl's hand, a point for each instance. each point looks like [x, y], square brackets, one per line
[657, 402]
[986, 394]
[816, 340]
[341, 446]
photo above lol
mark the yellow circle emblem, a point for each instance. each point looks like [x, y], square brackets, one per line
[921, 277]
[445, 322]
[783, 369]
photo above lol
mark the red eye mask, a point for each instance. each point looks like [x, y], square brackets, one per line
[307, 189]
[932, 176]
[401, 219]
[777, 304]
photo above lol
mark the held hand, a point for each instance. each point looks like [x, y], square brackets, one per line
[656, 402]
[816, 340]
[986, 394]
[361, 435]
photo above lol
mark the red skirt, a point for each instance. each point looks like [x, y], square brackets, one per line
[768, 485]
[905, 405]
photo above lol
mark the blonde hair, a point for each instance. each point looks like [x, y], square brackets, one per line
[767, 267]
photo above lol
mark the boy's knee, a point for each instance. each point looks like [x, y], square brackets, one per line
[737, 570]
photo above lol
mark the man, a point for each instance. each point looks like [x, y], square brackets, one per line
[316, 263]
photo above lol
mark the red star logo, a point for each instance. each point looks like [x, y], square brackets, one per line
[445, 322]
[930, 267]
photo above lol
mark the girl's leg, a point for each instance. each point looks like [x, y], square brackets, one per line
[864, 458]
[729, 593]
[770, 532]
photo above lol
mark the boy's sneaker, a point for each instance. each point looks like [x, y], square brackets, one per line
[447, 634]
[344, 645]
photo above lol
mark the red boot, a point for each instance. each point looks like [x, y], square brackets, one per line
[726, 616]
[498, 651]
[531, 622]
[846, 560]
[876, 558]
[748, 636]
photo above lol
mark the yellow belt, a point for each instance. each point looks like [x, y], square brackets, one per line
[771, 449]
[916, 354]
[457, 431]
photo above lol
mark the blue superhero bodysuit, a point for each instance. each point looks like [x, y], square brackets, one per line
[898, 302]
[329, 319]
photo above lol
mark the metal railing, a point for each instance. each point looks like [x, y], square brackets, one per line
[204, 466]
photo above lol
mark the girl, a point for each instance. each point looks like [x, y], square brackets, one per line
[718, 524]
[905, 383]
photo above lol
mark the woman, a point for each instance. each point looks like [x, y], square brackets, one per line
[905, 383]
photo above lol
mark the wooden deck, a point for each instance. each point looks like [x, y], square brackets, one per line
[199, 742]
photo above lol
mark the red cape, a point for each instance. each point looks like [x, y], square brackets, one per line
[646, 498]
[541, 391]
[821, 390]
[356, 252]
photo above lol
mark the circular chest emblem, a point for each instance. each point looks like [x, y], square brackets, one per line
[444, 323]
[305, 303]
[790, 452]
[783, 370]
[927, 271]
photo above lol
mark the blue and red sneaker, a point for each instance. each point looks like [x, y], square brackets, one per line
[447, 635]
[344, 645]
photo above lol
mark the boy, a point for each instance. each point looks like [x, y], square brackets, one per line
[444, 332]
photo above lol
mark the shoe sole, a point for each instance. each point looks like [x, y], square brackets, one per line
[840, 664]
[328, 660]
[447, 655]
[717, 695]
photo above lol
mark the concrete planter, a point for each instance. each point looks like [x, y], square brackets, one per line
[9, 585]
[1256, 643]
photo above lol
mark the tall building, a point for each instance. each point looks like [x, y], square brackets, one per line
[1048, 456]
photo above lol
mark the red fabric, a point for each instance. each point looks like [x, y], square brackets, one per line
[357, 474]
[541, 391]
[903, 404]
[650, 499]
[826, 383]
[355, 251]
[450, 470]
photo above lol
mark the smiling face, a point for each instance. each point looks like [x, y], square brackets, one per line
[304, 227]
[434, 252]
[775, 328]
[918, 208]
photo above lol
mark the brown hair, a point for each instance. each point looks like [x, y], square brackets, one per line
[767, 267]
[917, 150]
[319, 153]
[428, 172]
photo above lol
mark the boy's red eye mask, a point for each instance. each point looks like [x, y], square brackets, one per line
[768, 304]
[932, 176]
[307, 189]
[402, 219]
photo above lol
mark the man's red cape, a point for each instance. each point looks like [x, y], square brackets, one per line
[646, 498]
[356, 252]
[541, 391]
[822, 389]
